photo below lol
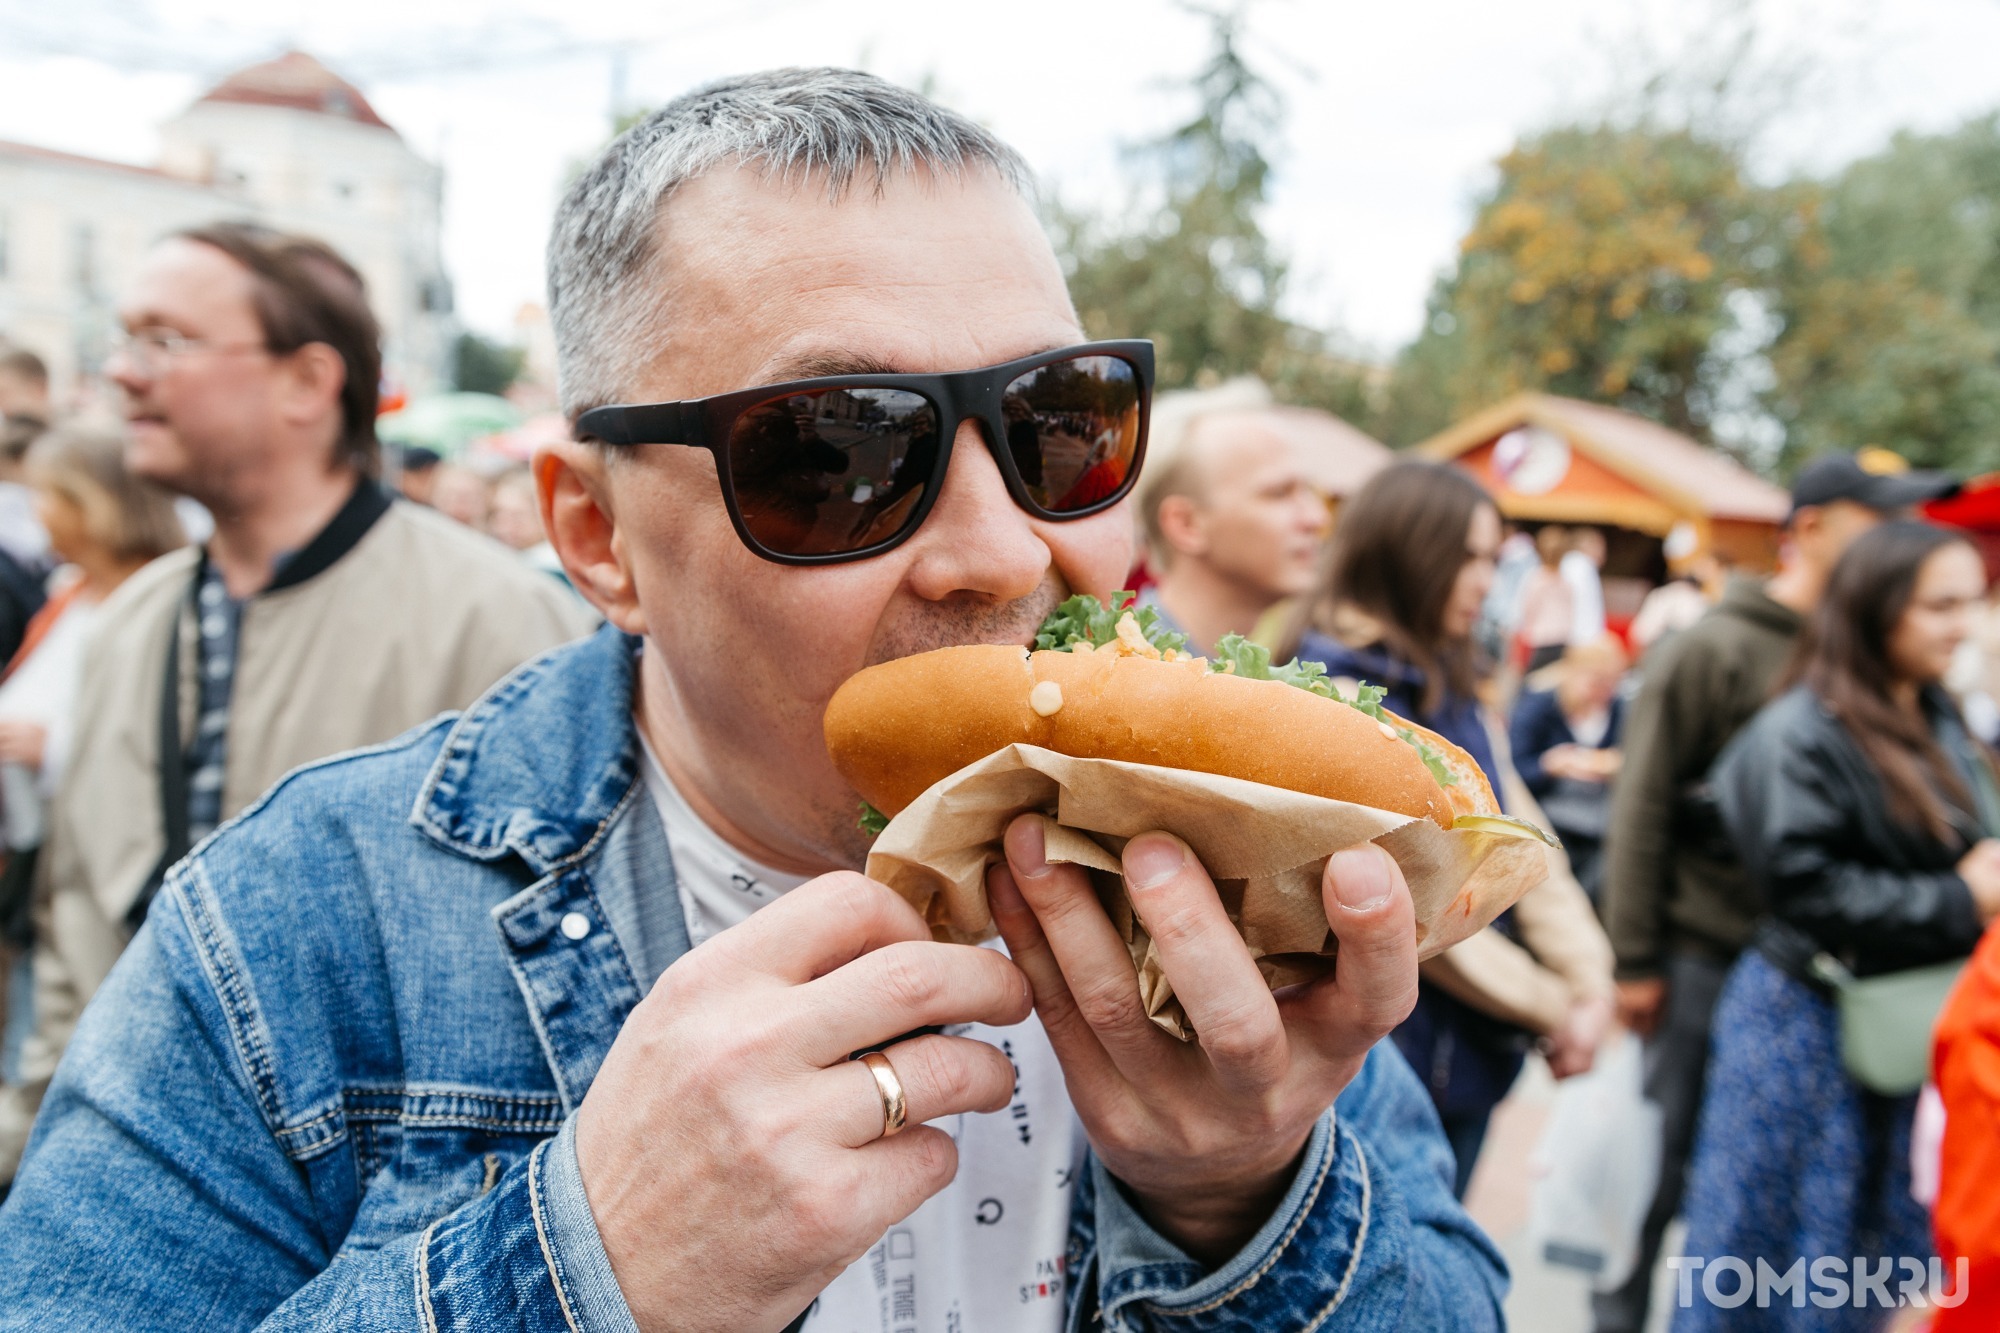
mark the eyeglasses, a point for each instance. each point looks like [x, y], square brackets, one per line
[844, 467]
[149, 350]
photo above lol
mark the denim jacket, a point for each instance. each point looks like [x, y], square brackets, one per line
[327, 1086]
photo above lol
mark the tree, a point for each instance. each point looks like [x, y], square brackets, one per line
[1890, 301]
[1879, 360]
[480, 365]
[1189, 265]
[1600, 266]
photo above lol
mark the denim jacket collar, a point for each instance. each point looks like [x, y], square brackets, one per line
[539, 765]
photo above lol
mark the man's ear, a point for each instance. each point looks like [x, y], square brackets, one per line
[1807, 530]
[573, 493]
[314, 376]
[1181, 524]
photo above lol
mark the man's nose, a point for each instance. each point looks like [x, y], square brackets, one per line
[976, 539]
[122, 369]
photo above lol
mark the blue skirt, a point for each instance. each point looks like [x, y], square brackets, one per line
[1793, 1159]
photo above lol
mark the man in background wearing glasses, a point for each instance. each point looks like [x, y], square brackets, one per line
[317, 616]
[541, 1017]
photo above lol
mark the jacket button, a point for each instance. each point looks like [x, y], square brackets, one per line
[575, 925]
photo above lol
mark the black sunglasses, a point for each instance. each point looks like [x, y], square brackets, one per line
[844, 467]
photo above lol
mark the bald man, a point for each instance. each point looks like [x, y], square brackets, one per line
[1233, 523]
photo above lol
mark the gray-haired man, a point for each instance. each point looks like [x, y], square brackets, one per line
[324, 1071]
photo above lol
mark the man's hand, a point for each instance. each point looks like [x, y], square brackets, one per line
[731, 1152]
[23, 742]
[1640, 1003]
[1580, 764]
[1980, 869]
[1207, 1136]
[1572, 1048]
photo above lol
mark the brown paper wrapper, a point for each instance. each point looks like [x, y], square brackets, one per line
[1264, 846]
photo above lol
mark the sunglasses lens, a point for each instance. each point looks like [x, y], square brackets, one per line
[1073, 431]
[834, 470]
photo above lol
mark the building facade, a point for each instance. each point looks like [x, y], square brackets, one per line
[287, 143]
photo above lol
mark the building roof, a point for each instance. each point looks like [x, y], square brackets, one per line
[1682, 473]
[1340, 457]
[10, 148]
[56, 157]
[298, 81]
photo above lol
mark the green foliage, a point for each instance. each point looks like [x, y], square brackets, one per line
[1600, 266]
[1890, 299]
[1421, 398]
[1607, 261]
[1189, 265]
[480, 365]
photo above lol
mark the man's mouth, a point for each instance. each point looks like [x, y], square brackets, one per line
[970, 622]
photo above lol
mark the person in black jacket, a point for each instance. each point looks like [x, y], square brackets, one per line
[1864, 812]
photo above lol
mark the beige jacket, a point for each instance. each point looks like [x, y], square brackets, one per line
[416, 617]
[1562, 955]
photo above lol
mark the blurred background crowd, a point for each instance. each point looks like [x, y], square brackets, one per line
[1676, 510]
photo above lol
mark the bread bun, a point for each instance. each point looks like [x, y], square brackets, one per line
[895, 729]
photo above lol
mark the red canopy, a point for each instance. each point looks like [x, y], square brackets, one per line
[1976, 509]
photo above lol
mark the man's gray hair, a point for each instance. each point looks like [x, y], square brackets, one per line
[604, 295]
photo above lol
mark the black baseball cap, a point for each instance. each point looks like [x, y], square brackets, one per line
[1874, 477]
[418, 458]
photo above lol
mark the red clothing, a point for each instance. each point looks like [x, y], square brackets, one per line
[1965, 1062]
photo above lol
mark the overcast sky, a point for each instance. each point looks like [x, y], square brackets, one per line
[1396, 112]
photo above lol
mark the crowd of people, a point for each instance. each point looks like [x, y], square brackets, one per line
[420, 1036]
[1847, 833]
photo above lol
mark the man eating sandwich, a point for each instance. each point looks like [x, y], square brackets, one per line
[543, 1016]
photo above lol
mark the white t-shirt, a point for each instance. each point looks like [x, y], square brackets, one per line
[43, 688]
[21, 532]
[1590, 729]
[1586, 590]
[986, 1253]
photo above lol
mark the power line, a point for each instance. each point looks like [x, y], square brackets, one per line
[130, 40]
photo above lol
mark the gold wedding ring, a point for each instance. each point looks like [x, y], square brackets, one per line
[894, 1110]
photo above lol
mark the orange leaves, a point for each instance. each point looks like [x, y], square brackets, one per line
[1599, 266]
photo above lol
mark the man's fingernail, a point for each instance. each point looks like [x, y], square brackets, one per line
[1361, 877]
[1154, 858]
[1027, 849]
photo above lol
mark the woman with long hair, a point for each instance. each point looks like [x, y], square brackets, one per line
[103, 524]
[1865, 813]
[1408, 570]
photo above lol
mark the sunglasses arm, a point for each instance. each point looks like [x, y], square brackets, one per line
[643, 423]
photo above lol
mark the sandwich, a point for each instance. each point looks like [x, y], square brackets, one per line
[1112, 682]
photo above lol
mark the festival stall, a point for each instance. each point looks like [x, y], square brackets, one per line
[1559, 460]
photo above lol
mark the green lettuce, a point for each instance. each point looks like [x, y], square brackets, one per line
[1254, 660]
[1084, 619]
